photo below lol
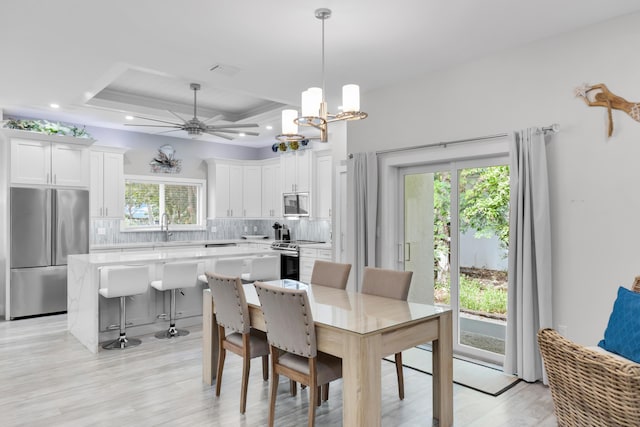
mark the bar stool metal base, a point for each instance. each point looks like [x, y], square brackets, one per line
[172, 332]
[121, 343]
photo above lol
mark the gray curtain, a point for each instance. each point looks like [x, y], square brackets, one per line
[529, 301]
[362, 207]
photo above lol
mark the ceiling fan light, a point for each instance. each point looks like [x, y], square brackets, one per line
[311, 99]
[350, 98]
[289, 127]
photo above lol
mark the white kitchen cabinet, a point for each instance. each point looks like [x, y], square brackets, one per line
[296, 171]
[43, 162]
[252, 191]
[271, 190]
[228, 190]
[107, 183]
[308, 257]
[322, 188]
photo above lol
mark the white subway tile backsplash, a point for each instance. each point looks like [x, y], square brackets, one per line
[107, 231]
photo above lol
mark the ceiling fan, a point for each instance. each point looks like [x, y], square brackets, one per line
[196, 127]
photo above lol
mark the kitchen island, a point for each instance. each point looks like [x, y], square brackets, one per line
[92, 319]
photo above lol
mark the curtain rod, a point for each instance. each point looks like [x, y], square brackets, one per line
[552, 128]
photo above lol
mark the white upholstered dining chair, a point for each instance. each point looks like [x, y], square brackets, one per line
[232, 316]
[292, 342]
[332, 274]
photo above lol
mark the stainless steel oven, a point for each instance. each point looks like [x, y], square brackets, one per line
[289, 259]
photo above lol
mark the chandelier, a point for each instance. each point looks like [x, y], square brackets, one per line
[314, 105]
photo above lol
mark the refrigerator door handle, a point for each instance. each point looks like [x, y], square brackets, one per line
[52, 219]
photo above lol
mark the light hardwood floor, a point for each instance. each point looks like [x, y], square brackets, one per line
[48, 379]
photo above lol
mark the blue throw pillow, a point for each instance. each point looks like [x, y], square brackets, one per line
[623, 331]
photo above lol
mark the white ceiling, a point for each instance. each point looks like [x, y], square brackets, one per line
[102, 60]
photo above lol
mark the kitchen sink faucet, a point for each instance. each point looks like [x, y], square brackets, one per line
[164, 226]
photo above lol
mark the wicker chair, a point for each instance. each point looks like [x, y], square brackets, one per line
[590, 388]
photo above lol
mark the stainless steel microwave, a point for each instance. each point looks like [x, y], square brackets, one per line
[295, 204]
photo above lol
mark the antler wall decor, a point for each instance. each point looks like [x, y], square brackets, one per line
[600, 96]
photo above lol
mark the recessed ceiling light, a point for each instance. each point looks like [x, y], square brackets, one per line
[242, 134]
[269, 127]
[54, 105]
[128, 117]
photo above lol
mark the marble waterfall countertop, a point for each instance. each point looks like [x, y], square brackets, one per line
[83, 281]
[173, 244]
[163, 255]
[191, 243]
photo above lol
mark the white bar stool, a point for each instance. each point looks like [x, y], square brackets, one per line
[121, 282]
[175, 275]
[230, 267]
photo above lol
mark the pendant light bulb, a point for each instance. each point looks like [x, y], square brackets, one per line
[311, 99]
[289, 127]
[350, 98]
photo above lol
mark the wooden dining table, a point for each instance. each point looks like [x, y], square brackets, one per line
[361, 329]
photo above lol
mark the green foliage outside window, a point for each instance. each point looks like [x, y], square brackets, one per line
[146, 202]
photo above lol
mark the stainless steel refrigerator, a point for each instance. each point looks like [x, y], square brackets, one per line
[46, 226]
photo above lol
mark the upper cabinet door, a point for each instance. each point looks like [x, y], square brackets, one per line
[96, 187]
[113, 185]
[288, 166]
[304, 169]
[45, 163]
[252, 191]
[222, 191]
[322, 188]
[296, 171]
[235, 190]
[69, 165]
[30, 162]
[271, 190]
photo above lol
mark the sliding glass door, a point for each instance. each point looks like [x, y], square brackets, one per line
[454, 235]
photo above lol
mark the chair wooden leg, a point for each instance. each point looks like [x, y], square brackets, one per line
[265, 368]
[293, 388]
[400, 375]
[221, 356]
[325, 392]
[314, 391]
[313, 402]
[274, 388]
[246, 367]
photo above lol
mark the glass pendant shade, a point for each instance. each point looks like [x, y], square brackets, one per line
[311, 99]
[289, 127]
[350, 98]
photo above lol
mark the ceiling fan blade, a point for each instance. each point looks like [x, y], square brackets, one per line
[234, 126]
[176, 126]
[219, 135]
[156, 120]
[176, 114]
[167, 131]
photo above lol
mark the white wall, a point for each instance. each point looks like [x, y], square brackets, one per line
[143, 147]
[595, 205]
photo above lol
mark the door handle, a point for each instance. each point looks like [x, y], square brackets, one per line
[106, 211]
[400, 257]
[47, 177]
[408, 252]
